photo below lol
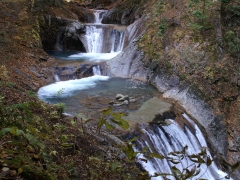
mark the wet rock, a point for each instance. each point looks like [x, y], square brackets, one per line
[119, 96]
[217, 127]
[158, 119]
[162, 119]
[70, 72]
[125, 102]
[169, 115]
[123, 98]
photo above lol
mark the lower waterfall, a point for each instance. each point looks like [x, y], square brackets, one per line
[172, 138]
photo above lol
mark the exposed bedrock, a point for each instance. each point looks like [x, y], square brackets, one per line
[75, 71]
[122, 16]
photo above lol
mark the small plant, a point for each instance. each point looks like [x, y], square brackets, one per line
[31, 140]
[232, 42]
[196, 27]
[110, 118]
[200, 10]
[60, 91]
[162, 27]
[60, 107]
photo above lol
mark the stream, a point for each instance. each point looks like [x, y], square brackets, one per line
[89, 95]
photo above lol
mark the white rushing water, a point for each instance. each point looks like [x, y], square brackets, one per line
[117, 41]
[97, 35]
[57, 79]
[91, 57]
[94, 37]
[67, 88]
[96, 70]
[173, 138]
[99, 15]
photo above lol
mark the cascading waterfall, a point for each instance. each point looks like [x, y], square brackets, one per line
[117, 41]
[94, 38]
[99, 15]
[96, 70]
[172, 138]
[98, 34]
[57, 79]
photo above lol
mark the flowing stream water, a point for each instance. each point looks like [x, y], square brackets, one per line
[93, 93]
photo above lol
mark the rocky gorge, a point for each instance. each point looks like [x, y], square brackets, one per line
[188, 66]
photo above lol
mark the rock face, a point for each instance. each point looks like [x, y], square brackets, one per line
[128, 63]
[124, 16]
[75, 71]
[64, 35]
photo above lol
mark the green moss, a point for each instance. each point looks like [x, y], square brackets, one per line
[209, 73]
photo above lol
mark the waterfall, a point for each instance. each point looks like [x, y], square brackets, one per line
[117, 41]
[102, 38]
[57, 79]
[172, 138]
[94, 36]
[99, 15]
[96, 70]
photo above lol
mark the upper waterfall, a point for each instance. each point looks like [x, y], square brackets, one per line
[99, 15]
[103, 38]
